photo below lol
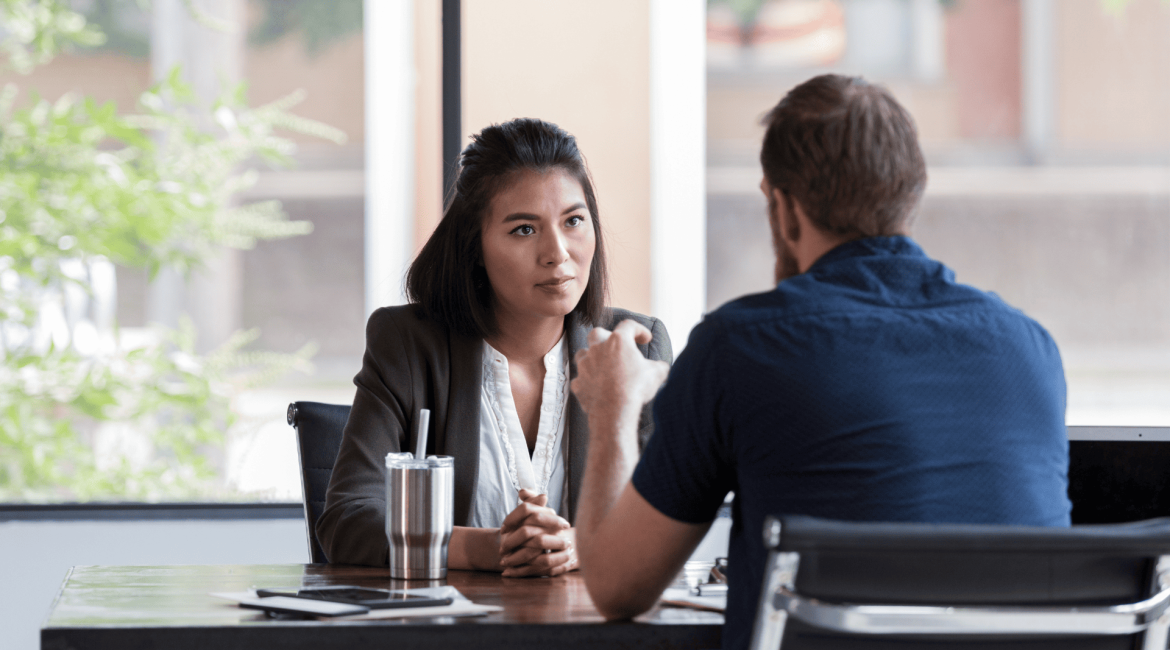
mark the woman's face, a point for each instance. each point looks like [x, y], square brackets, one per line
[538, 244]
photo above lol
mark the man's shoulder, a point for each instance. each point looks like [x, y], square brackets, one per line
[772, 305]
[805, 303]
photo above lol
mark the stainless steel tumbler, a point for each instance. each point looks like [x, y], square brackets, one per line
[420, 512]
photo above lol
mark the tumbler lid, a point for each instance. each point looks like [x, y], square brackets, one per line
[407, 460]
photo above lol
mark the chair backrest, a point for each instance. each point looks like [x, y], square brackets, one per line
[319, 428]
[868, 585]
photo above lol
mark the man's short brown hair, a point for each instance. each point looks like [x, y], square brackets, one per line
[848, 153]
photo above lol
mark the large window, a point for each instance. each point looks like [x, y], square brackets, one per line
[1048, 149]
[1042, 121]
[178, 265]
[163, 412]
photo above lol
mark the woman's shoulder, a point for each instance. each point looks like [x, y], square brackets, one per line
[615, 315]
[399, 317]
[406, 323]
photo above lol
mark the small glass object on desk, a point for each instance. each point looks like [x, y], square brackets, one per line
[704, 577]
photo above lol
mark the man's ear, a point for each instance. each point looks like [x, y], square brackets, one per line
[789, 224]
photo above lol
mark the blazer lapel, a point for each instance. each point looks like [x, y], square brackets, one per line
[577, 428]
[461, 436]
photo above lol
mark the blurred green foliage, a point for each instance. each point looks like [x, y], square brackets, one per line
[125, 24]
[82, 185]
[319, 22]
[1117, 7]
[35, 30]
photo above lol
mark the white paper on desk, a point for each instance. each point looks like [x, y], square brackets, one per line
[684, 598]
[458, 608]
[460, 605]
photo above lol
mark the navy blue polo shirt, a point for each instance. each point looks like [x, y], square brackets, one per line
[871, 388]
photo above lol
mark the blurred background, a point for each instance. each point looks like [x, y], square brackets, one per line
[1045, 132]
[1044, 125]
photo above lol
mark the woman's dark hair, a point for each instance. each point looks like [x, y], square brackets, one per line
[447, 279]
[848, 153]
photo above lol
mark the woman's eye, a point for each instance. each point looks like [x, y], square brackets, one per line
[524, 230]
[575, 221]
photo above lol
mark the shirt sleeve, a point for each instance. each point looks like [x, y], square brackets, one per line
[685, 469]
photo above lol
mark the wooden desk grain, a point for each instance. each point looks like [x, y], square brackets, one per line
[169, 607]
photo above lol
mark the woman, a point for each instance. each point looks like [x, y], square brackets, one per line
[502, 296]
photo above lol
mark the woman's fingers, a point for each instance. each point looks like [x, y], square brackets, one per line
[547, 564]
[533, 497]
[530, 537]
[522, 556]
[520, 513]
[538, 544]
[516, 518]
[529, 514]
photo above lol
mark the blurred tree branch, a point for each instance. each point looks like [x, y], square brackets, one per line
[83, 187]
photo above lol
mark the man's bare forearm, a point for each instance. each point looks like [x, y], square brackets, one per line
[620, 536]
[613, 454]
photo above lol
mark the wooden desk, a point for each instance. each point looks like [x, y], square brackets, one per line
[169, 607]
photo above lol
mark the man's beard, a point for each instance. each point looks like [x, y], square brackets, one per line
[786, 265]
[785, 261]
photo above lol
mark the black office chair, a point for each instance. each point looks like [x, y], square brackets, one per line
[319, 428]
[845, 585]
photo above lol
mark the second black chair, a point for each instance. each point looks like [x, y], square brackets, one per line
[844, 585]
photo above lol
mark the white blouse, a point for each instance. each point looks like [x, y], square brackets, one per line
[504, 463]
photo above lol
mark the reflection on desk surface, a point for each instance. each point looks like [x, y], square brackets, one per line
[128, 596]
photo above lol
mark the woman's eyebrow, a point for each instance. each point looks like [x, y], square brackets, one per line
[524, 216]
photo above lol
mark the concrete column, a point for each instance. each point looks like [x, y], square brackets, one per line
[1038, 74]
[929, 51]
[678, 159]
[209, 49]
[390, 149]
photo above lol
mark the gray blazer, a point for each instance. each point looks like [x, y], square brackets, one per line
[413, 363]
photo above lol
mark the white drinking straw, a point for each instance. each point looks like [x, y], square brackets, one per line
[420, 434]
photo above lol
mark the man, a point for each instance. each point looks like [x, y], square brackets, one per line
[868, 385]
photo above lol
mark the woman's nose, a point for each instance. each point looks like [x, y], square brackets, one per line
[555, 250]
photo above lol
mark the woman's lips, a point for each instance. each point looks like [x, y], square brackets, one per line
[556, 284]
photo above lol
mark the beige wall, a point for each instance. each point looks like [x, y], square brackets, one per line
[983, 65]
[104, 77]
[1113, 72]
[586, 67]
[333, 81]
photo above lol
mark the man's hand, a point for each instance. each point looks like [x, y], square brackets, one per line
[629, 551]
[534, 541]
[613, 379]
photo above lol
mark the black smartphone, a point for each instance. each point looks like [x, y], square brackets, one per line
[284, 605]
[372, 598]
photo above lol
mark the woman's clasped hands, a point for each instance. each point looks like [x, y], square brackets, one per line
[535, 541]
